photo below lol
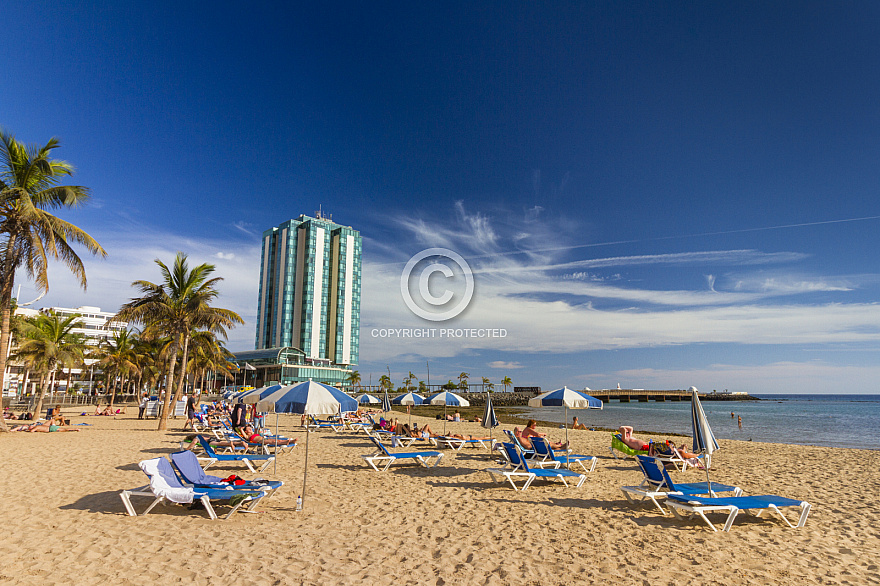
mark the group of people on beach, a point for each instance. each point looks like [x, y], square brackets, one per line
[54, 421]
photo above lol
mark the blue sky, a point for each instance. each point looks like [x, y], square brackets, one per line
[657, 194]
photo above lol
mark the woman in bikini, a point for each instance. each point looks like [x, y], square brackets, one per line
[253, 437]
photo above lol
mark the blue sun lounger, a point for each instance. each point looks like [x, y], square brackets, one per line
[733, 505]
[518, 468]
[187, 464]
[545, 456]
[383, 455]
[165, 486]
[213, 457]
[658, 484]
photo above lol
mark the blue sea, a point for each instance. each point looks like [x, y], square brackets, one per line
[841, 421]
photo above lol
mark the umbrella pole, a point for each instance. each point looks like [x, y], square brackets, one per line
[275, 471]
[306, 468]
[444, 418]
[565, 423]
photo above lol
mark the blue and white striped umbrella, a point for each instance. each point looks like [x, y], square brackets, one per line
[254, 396]
[565, 397]
[308, 398]
[386, 402]
[408, 399]
[447, 398]
[704, 439]
[366, 399]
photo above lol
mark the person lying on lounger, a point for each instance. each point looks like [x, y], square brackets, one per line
[253, 437]
[626, 436]
[531, 430]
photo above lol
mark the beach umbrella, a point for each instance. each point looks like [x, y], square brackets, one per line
[366, 399]
[704, 439]
[446, 398]
[255, 395]
[386, 402]
[408, 399]
[565, 397]
[489, 420]
[308, 398]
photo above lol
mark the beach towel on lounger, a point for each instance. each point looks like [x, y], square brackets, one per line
[160, 473]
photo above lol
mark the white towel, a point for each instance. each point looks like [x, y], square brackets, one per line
[160, 485]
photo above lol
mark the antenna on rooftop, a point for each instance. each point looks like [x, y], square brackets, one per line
[323, 216]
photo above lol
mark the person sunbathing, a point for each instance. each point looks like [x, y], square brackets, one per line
[626, 436]
[576, 425]
[193, 442]
[689, 457]
[531, 430]
[255, 438]
[42, 427]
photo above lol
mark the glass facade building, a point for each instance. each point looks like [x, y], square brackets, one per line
[309, 295]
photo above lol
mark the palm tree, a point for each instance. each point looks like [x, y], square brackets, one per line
[450, 385]
[29, 235]
[354, 379]
[407, 382]
[463, 381]
[423, 388]
[117, 357]
[506, 382]
[385, 382]
[207, 354]
[176, 308]
[488, 384]
[49, 343]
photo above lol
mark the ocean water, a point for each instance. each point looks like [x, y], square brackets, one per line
[845, 421]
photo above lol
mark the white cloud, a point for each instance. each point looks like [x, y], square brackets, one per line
[503, 364]
[546, 312]
[131, 256]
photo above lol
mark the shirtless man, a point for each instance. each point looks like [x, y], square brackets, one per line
[531, 430]
[626, 436]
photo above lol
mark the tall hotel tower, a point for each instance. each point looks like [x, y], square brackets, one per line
[310, 297]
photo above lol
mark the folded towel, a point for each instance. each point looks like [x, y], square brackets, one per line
[163, 482]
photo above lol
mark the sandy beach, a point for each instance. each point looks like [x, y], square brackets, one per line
[65, 523]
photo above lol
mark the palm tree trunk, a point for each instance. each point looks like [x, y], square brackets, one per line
[182, 379]
[113, 392]
[44, 384]
[169, 385]
[8, 275]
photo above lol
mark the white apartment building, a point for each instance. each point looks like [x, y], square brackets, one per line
[96, 326]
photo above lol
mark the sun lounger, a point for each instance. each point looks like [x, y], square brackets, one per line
[518, 468]
[191, 473]
[733, 505]
[457, 443]
[545, 456]
[313, 424]
[213, 457]
[383, 455]
[617, 446]
[165, 486]
[658, 484]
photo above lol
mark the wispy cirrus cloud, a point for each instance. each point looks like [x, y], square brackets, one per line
[550, 302]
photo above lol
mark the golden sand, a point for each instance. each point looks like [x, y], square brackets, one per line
[65, 523]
